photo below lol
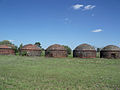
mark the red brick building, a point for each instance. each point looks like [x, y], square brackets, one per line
[6, 50]
[31, 50]
[84, 51]
[110, 52]
[56, 50]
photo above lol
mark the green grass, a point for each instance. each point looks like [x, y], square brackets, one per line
[40, 73]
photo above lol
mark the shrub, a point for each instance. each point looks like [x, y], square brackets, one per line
[24, 53]
[68, 49]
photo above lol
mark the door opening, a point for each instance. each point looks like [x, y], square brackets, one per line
[113, 55]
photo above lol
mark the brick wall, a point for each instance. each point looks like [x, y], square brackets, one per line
[56, 53]
[7, 52]
[110, 54]
[84, 54]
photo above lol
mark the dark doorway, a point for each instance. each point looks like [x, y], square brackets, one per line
[113, 55]
[51, 55]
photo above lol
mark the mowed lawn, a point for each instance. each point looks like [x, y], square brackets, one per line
[40, 73]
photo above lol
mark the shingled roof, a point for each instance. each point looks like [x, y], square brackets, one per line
[56, 47]
[111, 48]
[84, 47]
[30, 47]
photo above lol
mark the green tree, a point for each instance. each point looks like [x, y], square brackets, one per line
[20, 47]
[98, 49]
[38, 44]
[16, 49]
[68, 49]
[5, 42]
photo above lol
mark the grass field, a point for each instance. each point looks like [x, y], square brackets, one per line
[40, 73]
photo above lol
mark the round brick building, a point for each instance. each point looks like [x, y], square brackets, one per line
[84, 51]
[110, 52]
[31, 50]
[6, 50]
[56, 50]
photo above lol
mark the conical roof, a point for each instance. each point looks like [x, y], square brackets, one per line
[84, 47]
[31, 47]
[111, 48]
[56, 47]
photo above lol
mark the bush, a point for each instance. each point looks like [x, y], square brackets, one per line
[68, 49]
[24, 53]
[17, 54]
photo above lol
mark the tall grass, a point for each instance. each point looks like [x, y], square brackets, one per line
[40, 73]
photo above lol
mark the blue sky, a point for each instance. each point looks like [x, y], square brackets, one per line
[65, 22]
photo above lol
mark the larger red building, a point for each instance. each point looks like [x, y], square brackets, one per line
[31, 50]
[6, 50]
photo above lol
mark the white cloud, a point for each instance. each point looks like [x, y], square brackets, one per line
[97, 30]
[89, 7]
[77, 6]
[83, 7]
